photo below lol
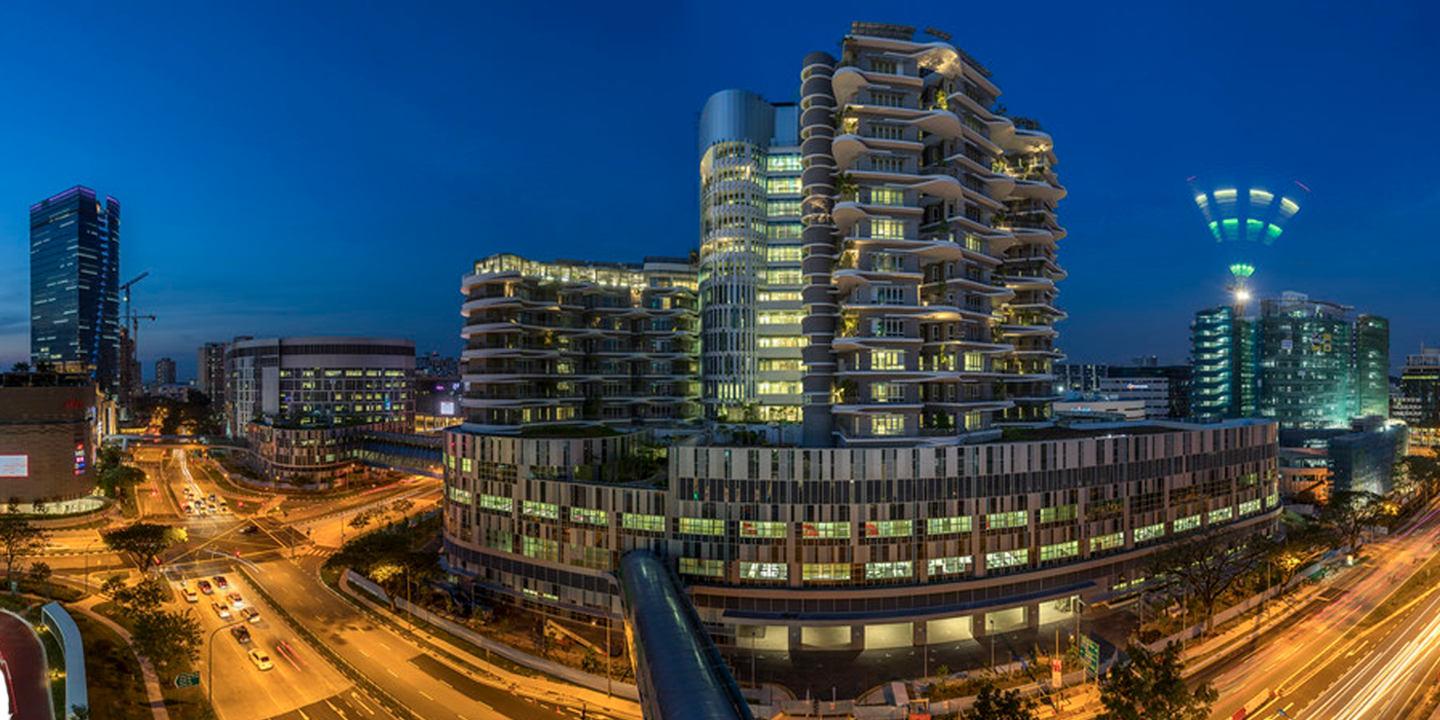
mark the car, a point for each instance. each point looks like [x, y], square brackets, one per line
[189, 594]
[261, 660]
[250, 614]
[205, 587]
[250, 530]
[235, 599]
[221, 611]
[212, 497]
[221, 582]
[185, 509]
[241, 634]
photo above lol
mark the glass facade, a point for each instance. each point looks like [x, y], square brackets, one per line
[74, 284]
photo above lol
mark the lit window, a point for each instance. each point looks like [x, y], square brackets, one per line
[1221, 515]
[782, 186]
[783, 163]
[1249, 507]
[764, 571]
[957, 565]
[887, 228]
[825, 530]
[1107, 542]
[646, 523]
[1007, 558]
[589, 517]
[888, 570]
[779, 317]
[780, 341]
[887, 424]
[782, 277]
[1004, 520]
[887, 360]
[782, 253]
[1057, 514]
[781, 208]
[887, 196]
[497, 503]
[783, 231]
[1149, 532]
[1187, 523]
[947, 525]
[548, 511]
[1059, 550]
[540, 548]
[889, 528]
[702, 526]
[887, 392]
[459, 495]
[762, 529]
[777, 387]
[702, 566]
[825, 572]
[778, 296]
[974, 362]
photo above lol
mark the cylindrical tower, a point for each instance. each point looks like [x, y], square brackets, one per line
[817, 131]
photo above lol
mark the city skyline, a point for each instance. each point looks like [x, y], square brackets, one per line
[368, 142]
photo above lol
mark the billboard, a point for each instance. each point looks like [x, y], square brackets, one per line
[14, 466]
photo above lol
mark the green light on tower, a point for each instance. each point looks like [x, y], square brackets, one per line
[1242, 270]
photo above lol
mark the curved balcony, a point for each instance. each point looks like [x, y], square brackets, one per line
[846, 148]
[847, 279]
[1037, 190]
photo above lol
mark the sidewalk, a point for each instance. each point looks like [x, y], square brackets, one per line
[481, 670]
[152, 681]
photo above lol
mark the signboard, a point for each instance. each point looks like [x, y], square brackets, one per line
[1090, 654]
[1057, 670]
[14, 466]
[190, 679]
[447, 408]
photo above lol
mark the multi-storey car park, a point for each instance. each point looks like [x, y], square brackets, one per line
[928, 504]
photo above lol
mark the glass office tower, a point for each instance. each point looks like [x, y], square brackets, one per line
[74, 284]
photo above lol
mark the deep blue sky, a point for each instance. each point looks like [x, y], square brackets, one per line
[291, 168]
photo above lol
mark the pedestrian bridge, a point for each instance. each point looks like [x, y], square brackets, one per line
[678, 670]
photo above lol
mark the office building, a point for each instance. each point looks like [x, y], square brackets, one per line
[74, 285]
[1077, 377]
[1153, 393]
[165, 371]
[210, 371]
[303, 402]
[1309, 364]
[50, 425]
[1418, 401]
[573, 342]
[749, 263]
[929, 499]
[1357, 458]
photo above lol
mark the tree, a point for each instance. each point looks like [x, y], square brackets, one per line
[360, 520]
[1152, 685]
[1347, 514]
[995, 704]
[40, 573]
[135, 601]
[402, 506]
[169, 639]
[144, 540]
[18, 538]
[1205, 566]
[20, 367]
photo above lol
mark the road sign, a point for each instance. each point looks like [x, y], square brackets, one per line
[189, 679]
[1090, 654]
[1057, 667]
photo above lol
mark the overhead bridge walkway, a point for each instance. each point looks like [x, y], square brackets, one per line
[678, 671]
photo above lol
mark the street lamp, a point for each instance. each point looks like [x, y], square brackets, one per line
[210, 681]
[992, 645]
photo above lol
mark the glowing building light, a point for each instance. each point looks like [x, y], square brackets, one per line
[1288, 207]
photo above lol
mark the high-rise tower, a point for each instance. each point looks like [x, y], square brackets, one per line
[750, 258]
[74, 284]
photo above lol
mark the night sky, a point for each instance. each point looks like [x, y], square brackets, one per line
[334, 170]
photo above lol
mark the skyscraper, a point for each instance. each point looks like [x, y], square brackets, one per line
[74, 284]
[1372, 365]
[1419, 401]
[210, 371]
[750, 258]
[165, 371]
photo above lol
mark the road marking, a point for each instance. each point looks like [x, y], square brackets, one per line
[362, 652]
[392, 673]
[337, 710]
[302, 714]
[426, 695]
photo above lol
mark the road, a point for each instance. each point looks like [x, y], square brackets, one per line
[1321, 664]
[24, 668]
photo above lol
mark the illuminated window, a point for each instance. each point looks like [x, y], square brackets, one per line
[957, 565]
[887, 228]
[459, 495]
[1187, 523]
[888, 570]
[782, 253]
[783, 276]
[762, 529]
[887, 360]
[948, 525]
[779, 317]
[540, 548]
[1272, 500]
[778, 296]
[889, 528]
[974, 362]
[783, 163]
[1149, 532]
[777, 365]
[887, 424]
[1007, 558]
[887, 196]
[1059, 550]
[1057, 514]
[825, 530]
[1004, 520]
[647, 523]
[467, 465]
[702, 566]
[782, 186]
[825, 572]
[589, 517]
[887, 392]
[779, 341]
[497, 503]
[781, 208]
[1249, 507]
[539, 509]
[889, 295]
[702, 526]
[1107, 542]
[1221, 515]
[783, 231]
[764, 571]
[778, 387]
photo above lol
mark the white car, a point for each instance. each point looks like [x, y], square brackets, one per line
[261, 660]
[221, 611]
[189, 594]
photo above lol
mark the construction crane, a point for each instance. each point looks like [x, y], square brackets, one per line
[125, 291]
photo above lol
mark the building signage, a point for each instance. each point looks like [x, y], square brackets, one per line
[79, 458]
[14, 466]
[447, 408]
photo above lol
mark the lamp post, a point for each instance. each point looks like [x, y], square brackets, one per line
[210, 669]
[992, 645]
